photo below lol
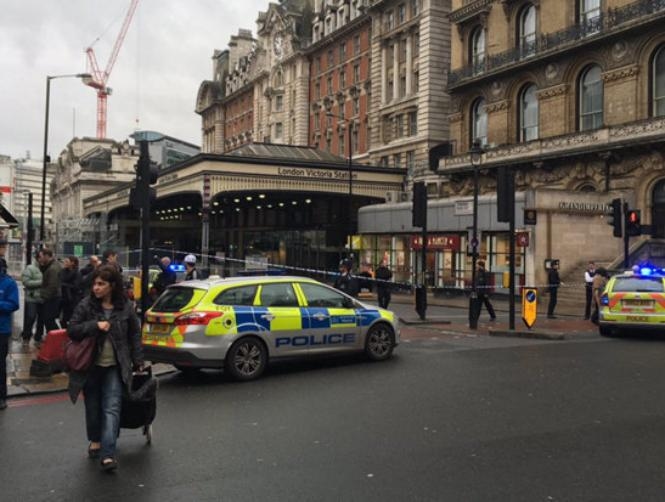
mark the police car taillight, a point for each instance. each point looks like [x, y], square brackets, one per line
[605, 300]
[197, 318]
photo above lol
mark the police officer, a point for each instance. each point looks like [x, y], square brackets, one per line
[190, 268]
[345, 282]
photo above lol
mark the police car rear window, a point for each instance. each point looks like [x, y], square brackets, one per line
[173, 299]
[638, 285]
[243, 295]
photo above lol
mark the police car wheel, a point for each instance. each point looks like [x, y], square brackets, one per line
[246, 359]
[604, 331]
[380, 342]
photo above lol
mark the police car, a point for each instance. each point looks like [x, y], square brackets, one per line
[633, 301]
[241, 323]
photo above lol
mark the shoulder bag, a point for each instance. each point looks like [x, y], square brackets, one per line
[79, 355]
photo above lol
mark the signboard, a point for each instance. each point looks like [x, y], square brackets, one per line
[529, 306]
[436, 242]
[530, 216]
[522, 239]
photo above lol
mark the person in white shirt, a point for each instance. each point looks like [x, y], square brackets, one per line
[588, 285]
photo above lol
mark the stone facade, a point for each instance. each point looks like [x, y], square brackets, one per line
[601, 134]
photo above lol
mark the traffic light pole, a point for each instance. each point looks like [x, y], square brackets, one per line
[626, 237]
[143, 187]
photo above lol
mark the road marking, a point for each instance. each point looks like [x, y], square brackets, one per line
[32, 401]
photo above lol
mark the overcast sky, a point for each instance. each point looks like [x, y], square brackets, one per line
[165, 57]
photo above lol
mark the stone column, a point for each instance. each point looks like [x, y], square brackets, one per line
[384, 73]
[409, 64]
[396, 70]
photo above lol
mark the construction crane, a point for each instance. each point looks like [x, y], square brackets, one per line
[99, 78]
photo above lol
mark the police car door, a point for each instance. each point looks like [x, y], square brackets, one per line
[280, 311]
[330, 319]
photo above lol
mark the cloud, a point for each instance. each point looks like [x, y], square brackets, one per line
[166, 55]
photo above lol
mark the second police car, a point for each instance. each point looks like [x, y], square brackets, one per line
[239, 324]
[633, 301]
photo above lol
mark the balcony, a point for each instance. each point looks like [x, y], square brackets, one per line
[613, 21]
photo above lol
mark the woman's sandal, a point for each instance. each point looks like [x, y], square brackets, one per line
[109, 464]
[93, 452]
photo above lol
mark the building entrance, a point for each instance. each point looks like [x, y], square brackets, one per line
[658, 216]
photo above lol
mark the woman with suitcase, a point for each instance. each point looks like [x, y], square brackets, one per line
[108, 315]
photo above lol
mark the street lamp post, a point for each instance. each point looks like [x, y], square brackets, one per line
[349, 126]
[474, 303]
[46, 157]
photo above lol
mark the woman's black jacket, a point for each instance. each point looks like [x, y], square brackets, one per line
[125, 335]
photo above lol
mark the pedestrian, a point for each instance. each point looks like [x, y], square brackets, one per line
[588, 285]
[110, 257]
[383, 285]
[166, 277]
[50, 290]
[32, 278]
[345, 282]
[70, 283]
[600, 279]
[86, 273]
[553, 283]
[191, 273]
[482, 289]
[107, 314]
[9, 303]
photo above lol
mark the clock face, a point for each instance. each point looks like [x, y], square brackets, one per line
[278, 46]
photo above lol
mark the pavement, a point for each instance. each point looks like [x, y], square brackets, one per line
[445, 315]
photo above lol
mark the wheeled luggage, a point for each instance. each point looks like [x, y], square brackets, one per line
[50, 358]
[139, 407]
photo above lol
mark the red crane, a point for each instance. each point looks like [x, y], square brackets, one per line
[99, 78]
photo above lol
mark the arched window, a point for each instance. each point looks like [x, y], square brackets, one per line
[658, 82]
[477, 49]
[590, 92]
[527, 30]
[479, 121]
[528, 113]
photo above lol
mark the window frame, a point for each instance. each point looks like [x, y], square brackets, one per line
[526, 41]
[474, 115]
[582, 89]
[522, 108]
[477, 57]
[653, 82]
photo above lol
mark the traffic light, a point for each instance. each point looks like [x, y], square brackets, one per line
[147, 173]
[633, 222]
[419, 205]
[614, 217]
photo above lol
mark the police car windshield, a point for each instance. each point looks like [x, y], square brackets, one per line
[173, 299]
[638, 284]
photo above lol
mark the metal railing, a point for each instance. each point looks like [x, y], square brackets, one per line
[600, 25]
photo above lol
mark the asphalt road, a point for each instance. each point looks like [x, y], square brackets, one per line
[449, 418]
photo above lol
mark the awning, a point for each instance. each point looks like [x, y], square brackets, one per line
[9, 221]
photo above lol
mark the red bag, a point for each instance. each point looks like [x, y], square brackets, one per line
[79, 355]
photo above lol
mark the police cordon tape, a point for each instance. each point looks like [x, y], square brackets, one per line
[259, 265]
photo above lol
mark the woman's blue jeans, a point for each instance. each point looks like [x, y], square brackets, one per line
[103, 401]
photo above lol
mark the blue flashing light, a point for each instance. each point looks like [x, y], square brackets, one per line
[646, 271]
[604, 300]
[177, 267]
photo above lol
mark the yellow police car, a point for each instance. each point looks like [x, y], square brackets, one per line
[633, 301]
[241, 323]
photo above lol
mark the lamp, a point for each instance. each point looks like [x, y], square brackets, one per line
[84, 77]
[475, 154]
[349, 125]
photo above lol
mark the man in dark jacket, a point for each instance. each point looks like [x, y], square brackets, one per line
[383, 285]
[345, 282]
[50, 291]
[166, 277]
[482, 289]
[8, 304]
[553, 283]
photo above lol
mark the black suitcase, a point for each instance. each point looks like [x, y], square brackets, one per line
[139, 407]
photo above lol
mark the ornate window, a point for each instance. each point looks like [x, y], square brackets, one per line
[658, 82]
[590, 92]
[527, 30]
[479, 121]
[589, 15]
[477, 49]
[528, 113]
